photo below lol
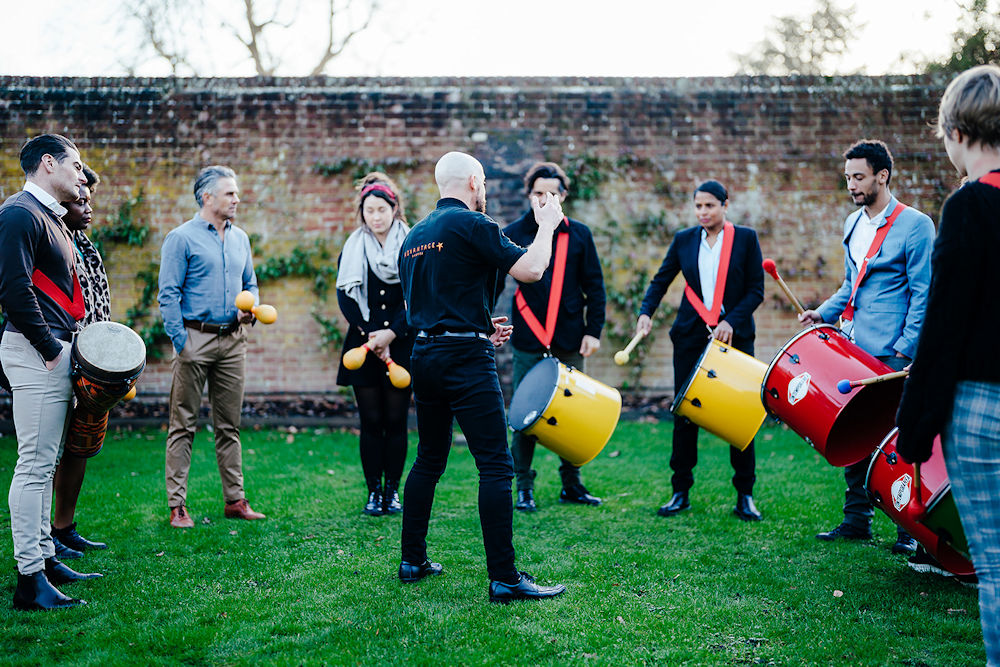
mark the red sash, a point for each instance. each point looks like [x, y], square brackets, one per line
[711, 317]
[992, 178]
[880, 235]
[546, 333]
[75, 306]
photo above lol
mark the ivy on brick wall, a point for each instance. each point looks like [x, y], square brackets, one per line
[617, 244]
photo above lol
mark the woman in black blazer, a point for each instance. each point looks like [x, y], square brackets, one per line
[371, 299]
[693, 251]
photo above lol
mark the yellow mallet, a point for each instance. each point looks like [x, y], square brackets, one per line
[621, 356]
[264, 313]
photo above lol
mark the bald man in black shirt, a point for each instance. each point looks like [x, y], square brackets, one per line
[452, 268]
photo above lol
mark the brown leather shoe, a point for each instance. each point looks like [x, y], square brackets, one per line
[241, 510]
[179, 517]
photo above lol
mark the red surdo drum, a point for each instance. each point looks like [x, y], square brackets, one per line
[107, 360]
[890, 485]
[800, 389]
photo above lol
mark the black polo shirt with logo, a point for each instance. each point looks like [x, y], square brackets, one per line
[452, 267]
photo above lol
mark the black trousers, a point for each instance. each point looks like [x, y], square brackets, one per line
[858, 508]
[456, 378]
[684, 455]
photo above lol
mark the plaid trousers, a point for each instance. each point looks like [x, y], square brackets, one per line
[972, 455]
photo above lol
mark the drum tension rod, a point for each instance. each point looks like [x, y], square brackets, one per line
[794, 358]
[711, 373]
[774, 392]
[567, 392]
[551, 421]
[890, 458]
[695, 402]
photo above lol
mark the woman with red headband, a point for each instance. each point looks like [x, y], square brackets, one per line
[371, 300]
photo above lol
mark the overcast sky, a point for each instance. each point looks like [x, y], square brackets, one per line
[483, 38]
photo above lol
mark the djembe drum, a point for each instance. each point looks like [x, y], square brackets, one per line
[107, 360]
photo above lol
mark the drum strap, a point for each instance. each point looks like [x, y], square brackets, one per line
[75, 306]
[880, 235]
[992, 178]
[711, 317]
[547, 333]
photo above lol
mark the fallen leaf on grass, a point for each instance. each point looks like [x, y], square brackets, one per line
[340, 552]
[956, 611]
[615, 454]
[330, 472]
[232, 532]
[589, 655]
[620, 620]
[838, 594]
[206, 520]
[159, 554]
[290, 439]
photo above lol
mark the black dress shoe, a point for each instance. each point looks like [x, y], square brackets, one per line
[526, 500]
[72, 539]
[745, 509]
[578, 494]
[524, 589]
[34, 591]
[845, 532]
[59, 573]
[410, 573]
[374, 505]
[63, 552]
[904, 544]
[390, 499]
[677, 503]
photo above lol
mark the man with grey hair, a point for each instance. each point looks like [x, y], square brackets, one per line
[204, 264]
[452, 267]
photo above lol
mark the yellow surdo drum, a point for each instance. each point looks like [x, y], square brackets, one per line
[568, 411]
[723, 394]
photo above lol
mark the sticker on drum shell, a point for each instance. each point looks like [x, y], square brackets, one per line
[901, 492]
[798, 387]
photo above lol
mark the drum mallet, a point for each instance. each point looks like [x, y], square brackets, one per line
[772, 269]
[264, 313]
[845, 386]
[621, 356]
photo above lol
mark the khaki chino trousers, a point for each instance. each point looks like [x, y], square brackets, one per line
[41, 405]
[220, 362]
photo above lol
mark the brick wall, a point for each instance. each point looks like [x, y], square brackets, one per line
[638, 145]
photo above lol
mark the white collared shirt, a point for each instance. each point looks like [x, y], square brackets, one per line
[863, 235]
[45, 198]
[708, 266]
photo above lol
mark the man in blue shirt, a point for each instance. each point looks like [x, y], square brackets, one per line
[204, 264]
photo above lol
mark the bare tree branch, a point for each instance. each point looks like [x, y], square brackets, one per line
[332, 48]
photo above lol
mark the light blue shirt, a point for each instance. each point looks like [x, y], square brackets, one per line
[201, 274]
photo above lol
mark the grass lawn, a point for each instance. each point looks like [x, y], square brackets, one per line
[316, 582]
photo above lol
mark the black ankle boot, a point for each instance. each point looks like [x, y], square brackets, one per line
[374, 505]
[390, 498]
[58, 573]
[35, 592]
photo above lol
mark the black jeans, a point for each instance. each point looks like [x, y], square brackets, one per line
[684, 455]
[858, 508]
[456, 378]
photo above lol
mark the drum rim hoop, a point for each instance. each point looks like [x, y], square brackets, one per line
[555, 388]
[780, 352]
[679, 396]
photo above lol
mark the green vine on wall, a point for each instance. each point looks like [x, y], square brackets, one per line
[124, 230]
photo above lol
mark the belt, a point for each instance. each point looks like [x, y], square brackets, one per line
[452, 334]
[208, 327]
[62, 334]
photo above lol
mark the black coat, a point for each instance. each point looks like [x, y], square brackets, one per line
[386, 311]
[744, 283]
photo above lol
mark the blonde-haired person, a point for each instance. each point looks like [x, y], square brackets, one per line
[953, 388]
[371, 300]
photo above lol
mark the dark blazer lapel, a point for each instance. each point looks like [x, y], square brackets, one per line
[693, 274]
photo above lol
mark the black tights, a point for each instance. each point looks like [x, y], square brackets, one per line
[383, 410]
